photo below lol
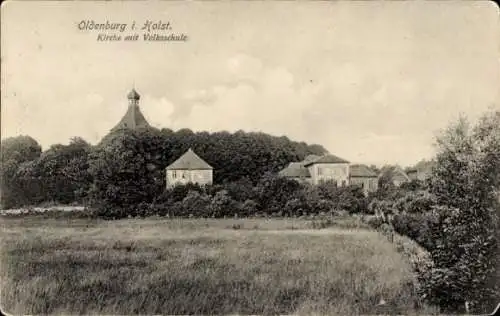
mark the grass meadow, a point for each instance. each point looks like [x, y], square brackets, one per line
[200, 266]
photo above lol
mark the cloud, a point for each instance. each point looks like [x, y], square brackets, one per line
[256, 98]
[243, 67]
[157, 111]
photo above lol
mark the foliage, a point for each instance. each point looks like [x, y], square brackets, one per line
[418, 226]
[248, 208]
[415, 202]
[234, 155]
[15, 151]
[179, 192]
[465, 181]
[65, 173]
[195, 204]
[127, 170]
[273, 192]
[60, 174]
[240, 190]
[223, 205]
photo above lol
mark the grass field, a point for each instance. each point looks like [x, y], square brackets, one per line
[160, 266]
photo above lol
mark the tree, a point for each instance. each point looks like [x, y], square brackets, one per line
[60, 174]
[223, 205]
[15, 151]
[127, 170]
[465, 182]
[385, 182]
[196, 204]
[273, 192]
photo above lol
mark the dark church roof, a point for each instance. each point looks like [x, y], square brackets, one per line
[133, 118]
[189, 161]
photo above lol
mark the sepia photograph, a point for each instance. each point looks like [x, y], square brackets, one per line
[250, 158]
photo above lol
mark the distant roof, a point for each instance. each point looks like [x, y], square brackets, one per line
[329, 158]
[311, 158]
[295, 170]
[361, 171]
[397, 174]
[189, 161]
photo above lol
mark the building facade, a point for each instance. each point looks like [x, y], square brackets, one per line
[189, 168]
[318, 169]
[364, 177]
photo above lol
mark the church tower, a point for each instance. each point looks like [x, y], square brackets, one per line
[133, 118]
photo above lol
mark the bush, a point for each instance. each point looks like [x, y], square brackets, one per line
[240, 190]
[248, 208]
[415, 202]
[196, 204]
[375, 222]
[273, 192]
[179, 192]
[222, 205]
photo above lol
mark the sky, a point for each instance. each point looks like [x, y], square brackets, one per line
[373, 82]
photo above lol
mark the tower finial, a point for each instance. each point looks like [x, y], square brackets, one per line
[133, 97]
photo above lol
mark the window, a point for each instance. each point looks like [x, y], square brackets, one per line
[184, 175]
[319, 171]
[174, 174]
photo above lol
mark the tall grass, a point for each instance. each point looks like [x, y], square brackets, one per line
[199, 267]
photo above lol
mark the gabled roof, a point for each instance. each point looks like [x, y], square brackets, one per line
[189, 161]
[295, 170]
[361, 171]
[132, 119]
[329, 158]
[397, 173]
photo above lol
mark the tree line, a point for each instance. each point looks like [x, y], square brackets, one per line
[125, 159]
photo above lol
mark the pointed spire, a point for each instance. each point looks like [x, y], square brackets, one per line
[133, 118]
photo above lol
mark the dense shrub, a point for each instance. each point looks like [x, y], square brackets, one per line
[126, 172]
[375, 221]
[195, 204]
[179, 192]
[273, 192]
[223, 205]
[248, 208]
[465, 182]
[14, 152]
[415, 202]
[240, 190]
[418, 226]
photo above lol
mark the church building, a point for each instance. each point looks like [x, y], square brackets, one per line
[189, 168]
[133, 118]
